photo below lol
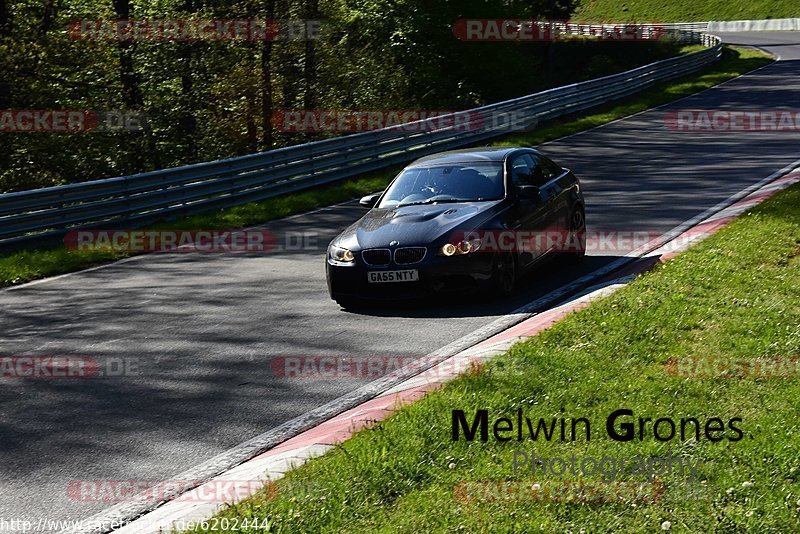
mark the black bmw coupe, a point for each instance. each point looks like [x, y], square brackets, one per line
[456, 220]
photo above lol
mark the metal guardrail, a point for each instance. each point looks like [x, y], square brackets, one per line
[46, 214]
[685, 26]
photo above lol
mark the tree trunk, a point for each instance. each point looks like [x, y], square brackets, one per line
[5, 81]
[5, 19]
[48, 16]
[267, 138]
[188, 119]
[132, 97]
[309, 67]
[6, 62]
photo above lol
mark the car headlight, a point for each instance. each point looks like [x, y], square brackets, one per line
[340, 255]
[464, 247]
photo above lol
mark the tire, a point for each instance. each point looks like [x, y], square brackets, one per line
[577, 235]
[504, 274]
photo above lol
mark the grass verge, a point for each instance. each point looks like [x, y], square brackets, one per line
[684, 10]
[30, 264]
[734, 295]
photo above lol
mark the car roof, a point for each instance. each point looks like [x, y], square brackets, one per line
[470, 155]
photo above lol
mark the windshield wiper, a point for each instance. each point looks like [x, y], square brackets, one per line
[432, 201]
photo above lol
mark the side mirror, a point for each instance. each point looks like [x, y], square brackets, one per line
[528, 191]
[369, 201]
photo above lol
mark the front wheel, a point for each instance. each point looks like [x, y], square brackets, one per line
[504, 274]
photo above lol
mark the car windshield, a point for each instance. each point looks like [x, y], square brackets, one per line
[446, 183]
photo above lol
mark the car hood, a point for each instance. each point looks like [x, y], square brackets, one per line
[412, 225]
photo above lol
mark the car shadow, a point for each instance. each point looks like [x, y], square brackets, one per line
[542, 280]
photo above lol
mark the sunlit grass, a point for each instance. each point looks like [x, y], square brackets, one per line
[683, 10]
[734, 295]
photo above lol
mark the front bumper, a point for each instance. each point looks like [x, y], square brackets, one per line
[436, 273]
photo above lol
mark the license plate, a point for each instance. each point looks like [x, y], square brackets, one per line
[393, 276]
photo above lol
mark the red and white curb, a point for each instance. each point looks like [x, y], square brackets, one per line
[273, 464]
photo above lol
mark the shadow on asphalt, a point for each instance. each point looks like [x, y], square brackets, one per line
[481, 303]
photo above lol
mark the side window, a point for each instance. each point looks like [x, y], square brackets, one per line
[522, 170]
[538, 178]
[543, 170]
[550, 169]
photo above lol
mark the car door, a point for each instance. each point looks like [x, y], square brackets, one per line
[555, 193]
[529, 216]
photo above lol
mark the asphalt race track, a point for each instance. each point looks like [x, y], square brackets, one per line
[203, 328]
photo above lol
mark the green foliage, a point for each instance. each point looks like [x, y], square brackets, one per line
[208, 100]
[22, 266]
